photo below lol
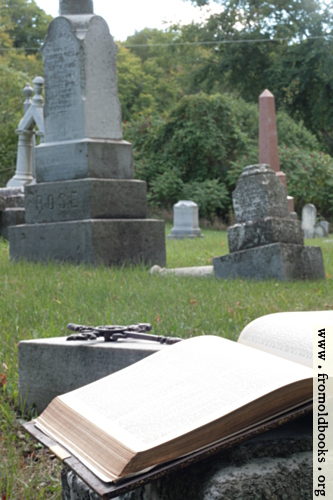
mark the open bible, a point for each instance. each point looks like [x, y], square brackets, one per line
[192, 394]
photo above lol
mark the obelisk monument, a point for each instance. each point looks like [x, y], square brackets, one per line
[85, 205]
[268, 139]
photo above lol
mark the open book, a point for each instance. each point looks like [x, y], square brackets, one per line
[186, 397]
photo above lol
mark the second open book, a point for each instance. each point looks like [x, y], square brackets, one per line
[185, 397]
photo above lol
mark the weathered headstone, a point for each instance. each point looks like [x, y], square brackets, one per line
[185, 220]
[11, 209]
[268, 139]
[309, 217]
[266, 242]
[85, 205]
[325, 225]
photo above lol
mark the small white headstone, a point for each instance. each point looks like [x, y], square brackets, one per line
[326, 226]
[185, 220]
[309, 215]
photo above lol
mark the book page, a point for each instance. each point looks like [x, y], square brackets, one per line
[175, 391]
[287, 334]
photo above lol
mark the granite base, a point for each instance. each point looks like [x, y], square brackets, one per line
[285, 262]
[107, 241]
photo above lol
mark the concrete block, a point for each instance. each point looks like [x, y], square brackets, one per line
[279, 261]
[85, 199]
[87, 158]
[50, 367]
[108, 242]
[264, 232]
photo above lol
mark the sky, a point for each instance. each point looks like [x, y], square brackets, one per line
[124, 17]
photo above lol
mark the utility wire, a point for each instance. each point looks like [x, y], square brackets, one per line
[216, 42]
[220, 42]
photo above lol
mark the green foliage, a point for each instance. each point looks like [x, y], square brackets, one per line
[29, 23]
[310, 178]
[201, 148]
[11, 112]
[38, 300]
[148, 73]
[297, 70]
[22, 24]
[211, 196]
[189, 152]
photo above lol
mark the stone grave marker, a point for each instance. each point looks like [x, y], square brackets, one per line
[309, 217]
[266, 242]
[85, 205]
[268, 140]
[324, 224]
[185, 220]
[11, 209]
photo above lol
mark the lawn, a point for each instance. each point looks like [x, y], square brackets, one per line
[38, 300]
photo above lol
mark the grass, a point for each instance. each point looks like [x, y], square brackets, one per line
[38, 300]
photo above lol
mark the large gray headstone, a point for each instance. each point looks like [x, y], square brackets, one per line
[85, 205]
[81, 92]
[266, 241]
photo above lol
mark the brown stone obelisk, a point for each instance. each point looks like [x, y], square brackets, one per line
[268, 139]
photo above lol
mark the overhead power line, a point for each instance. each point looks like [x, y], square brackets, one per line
[221, 42]
[216, 42]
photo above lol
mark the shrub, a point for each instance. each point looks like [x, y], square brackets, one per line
[200, 149]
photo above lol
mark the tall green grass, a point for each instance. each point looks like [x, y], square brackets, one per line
[38, 300]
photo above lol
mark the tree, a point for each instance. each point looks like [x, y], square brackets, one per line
[199, 150]
[284, 46]
[12, 83]
[28, 25]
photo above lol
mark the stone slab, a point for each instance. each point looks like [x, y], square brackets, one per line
[10, 217]
[275, 465]
[88, 158]
[259, 194]
[198, 272]
[264, 232]
[281, 261]
[85, 199]
[81, 88]
[108, 242]
[50, 367]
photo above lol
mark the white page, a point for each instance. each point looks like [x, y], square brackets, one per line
[180, 388]
[287, 334]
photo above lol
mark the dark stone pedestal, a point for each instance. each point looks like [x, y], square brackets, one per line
[285, 262]
[275, 465]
